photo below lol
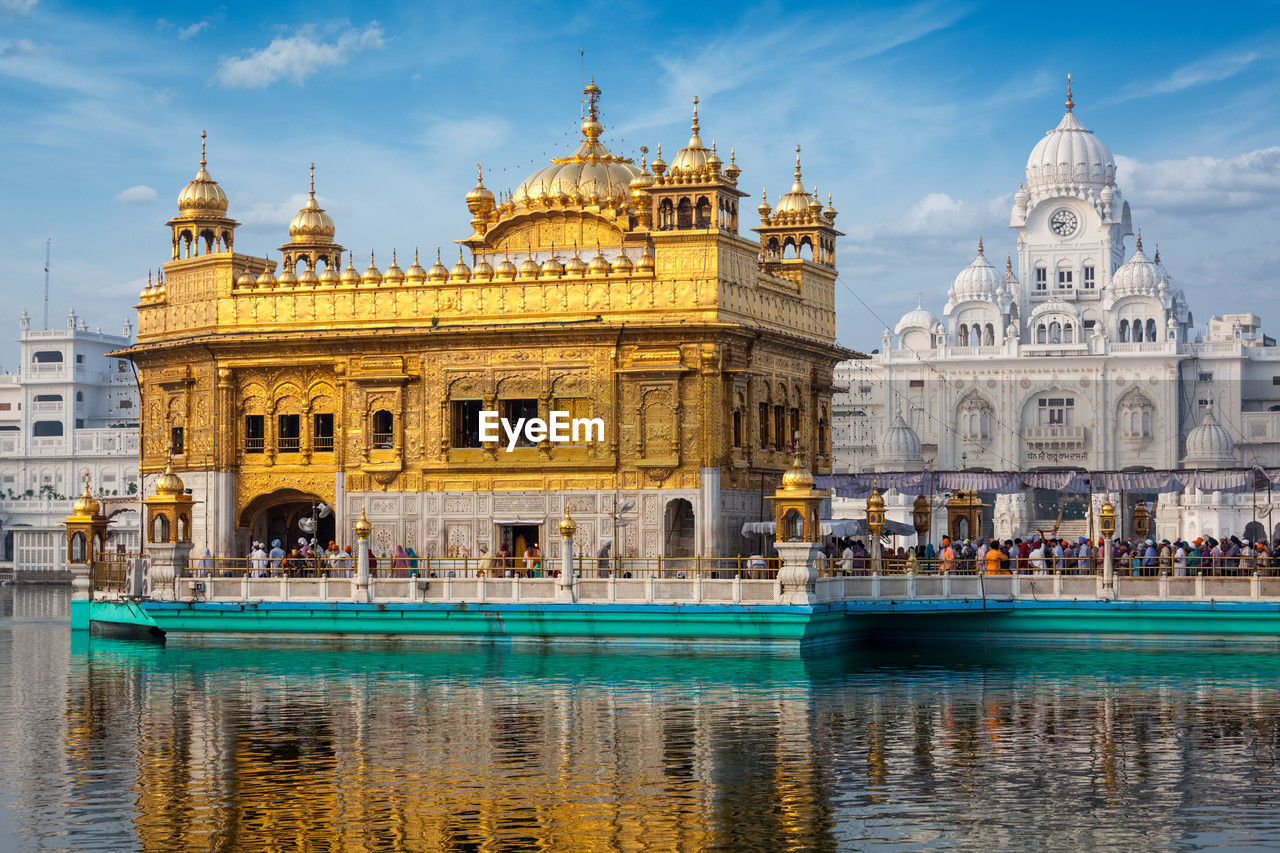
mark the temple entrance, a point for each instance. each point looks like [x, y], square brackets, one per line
[678, 529]
[517, 538]
[288, 515]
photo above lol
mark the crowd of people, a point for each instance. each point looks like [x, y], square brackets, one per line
[1046, 554]
[308, 559]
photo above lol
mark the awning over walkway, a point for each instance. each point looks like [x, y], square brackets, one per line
[1069, 482]
[842, 527]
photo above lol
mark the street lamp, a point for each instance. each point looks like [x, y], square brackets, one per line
[1141, 520]
[1107, 524]
[921, 517]
[875, 524]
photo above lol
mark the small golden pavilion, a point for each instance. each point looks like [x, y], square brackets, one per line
[598, 287]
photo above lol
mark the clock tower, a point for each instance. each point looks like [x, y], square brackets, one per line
[1071, 220]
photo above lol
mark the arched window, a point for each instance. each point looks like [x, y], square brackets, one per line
[684, 213]
[1042, 334]
[666, 215]
[1151, 331]
[1124, 331]
[963, 338]
[1055, 333]
[160, 529]
[990, 338]
[47, 357]
[382, 429]
[78, 548]
[1068, 334]
[704, 212]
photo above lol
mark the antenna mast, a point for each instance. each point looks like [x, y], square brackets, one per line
[47, 241]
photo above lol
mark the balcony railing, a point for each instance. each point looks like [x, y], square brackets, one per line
[322, 444]
[254, 445]
[1057, 434]
[288, 445]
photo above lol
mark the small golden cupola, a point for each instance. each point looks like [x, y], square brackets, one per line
[202, 226]
[86, 528]
[693, 192]
[797, 230]
[311, 233]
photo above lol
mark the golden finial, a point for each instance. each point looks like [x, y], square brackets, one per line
[362, 527]
[1008, 262]
[695, 114]
[371, 257]
[437, 254]
[1139, 239]
[1070, 102]
[313, 180]
[393, 257]
[202, 160]
[980, 244]
[479, 175]
[797, 162]
[415, 255]
[592, 91]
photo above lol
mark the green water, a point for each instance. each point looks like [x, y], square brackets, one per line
[238, 745]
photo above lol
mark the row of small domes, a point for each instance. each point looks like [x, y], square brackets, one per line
[483, 271]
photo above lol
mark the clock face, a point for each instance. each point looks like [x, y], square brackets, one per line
[1063, 222]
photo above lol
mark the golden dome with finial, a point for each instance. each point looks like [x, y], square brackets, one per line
[85, 505]
[287, 278]
[551, 267]
[506, 270]
[372, 276]
[480, 199]
[417, 274]
[764, 208]
[311, 224]
[330, 275]
[693, 157]
[875, 501]
[528, 268]
[592, 175]
[349, 275]
[732, 171]
[393, 275]
[797, 201]
[362, 526]
[438, 271]
[568, 527]
[623, 264]
[646, 262]
[575, 266]
[169, 483]
[642, 181]
[266, 279]
[245, 280]
[598, 265]
[658, 165]
[202, 195]
[460, 271]
[797, 478]
[483, 271]
[308, 277]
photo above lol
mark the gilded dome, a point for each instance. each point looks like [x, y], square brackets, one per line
[479, 199]
[393, 275]
[797, 477]
[266, 279]
[349, 275]
[438, 271]
[694, 156]
[245, 279]
[287, 278]
[169, 483]
[598, 265]
[85, 505]
[645, 264]
[552, 268]
[797, 201]
[202, 196]
[506, 270]
[311, 224]
[308, 277]
[372, 275]
[529, 268]
[592, 175]
[329, 276]
[460, 271]
[623, 264]
[575, 266]
[417, 274]
[1070, 160]
[1209, 445]
[483, 271]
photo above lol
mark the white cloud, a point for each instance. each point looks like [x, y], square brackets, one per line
[195, 29]
[20, 6]
[275, 214]
[140, 194]
[1247, 181]
[19, 47]
[296, 57]
[468, 134]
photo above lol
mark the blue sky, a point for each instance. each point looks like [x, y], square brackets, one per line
[917, 118]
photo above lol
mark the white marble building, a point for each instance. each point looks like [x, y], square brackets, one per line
[1074, 353]
[67, 408]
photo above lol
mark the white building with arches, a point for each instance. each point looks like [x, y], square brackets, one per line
[67, 408]
[1078, 354]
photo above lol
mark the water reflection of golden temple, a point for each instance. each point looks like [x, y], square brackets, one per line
[598, 287]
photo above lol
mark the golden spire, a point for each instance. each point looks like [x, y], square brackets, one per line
[696, 127]
[1070, 102]
[1008, 262]
[313, 180]
[592, 91]
[203, 163]
[797, 162]
[1139, 239]
[980, 251]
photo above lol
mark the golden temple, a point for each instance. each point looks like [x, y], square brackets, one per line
[597, 287]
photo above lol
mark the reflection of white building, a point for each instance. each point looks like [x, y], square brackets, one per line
[67, 408]
[1075, 355]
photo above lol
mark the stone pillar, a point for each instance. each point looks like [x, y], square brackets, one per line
[168, 559]
[565, 587]
[363, 590]
[80, 582]
[799, 573]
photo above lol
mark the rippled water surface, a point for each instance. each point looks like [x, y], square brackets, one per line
[260, 745]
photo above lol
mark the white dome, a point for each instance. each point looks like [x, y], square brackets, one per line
[917, 318]
[1070, 160]
[1137, 276]
[899, 447]
[1209, 445]
[979, 280]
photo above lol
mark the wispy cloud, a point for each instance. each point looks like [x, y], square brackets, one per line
[296, 57]
[195, 29]
[471, 134]
[1213, 68]
[18, 47]
[22, 7]
[1205, 184]
[140, 194]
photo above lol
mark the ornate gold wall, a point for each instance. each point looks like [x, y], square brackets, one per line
[699, 348]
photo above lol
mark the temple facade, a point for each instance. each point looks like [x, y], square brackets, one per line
[605, 290]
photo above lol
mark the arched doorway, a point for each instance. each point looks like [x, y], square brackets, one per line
[281, 514]
[1255, 532]
[678, 529]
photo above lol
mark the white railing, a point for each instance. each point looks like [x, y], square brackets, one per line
[1057, 434]
[47, 406]
[1042, 587]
